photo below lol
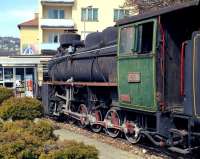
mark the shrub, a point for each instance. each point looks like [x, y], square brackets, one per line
[43, 129]
[17, 140]
[22, 140]
[71, 150]
[21, 108]
[5, 93]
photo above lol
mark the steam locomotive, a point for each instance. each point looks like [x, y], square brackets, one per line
[140, 78]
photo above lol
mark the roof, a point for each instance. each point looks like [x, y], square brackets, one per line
[156, 13]
[68, 2]
[30, 23]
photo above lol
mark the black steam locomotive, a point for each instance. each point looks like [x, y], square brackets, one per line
[140, 78]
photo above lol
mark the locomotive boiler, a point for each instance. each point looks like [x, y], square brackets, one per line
[140, 78]
[95, 62]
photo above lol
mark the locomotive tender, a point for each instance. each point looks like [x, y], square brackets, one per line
[140, 78]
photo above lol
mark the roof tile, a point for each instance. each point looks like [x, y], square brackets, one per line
[30, 23]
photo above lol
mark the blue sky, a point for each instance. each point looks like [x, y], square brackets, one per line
[14, 12]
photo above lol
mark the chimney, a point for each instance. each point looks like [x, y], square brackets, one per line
[36, 15]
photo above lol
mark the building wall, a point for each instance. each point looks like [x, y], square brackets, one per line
[40, 16]
[29, 36]
[105, 14]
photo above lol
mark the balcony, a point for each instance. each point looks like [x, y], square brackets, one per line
[57, 2]
[57, 23]
[50, 46]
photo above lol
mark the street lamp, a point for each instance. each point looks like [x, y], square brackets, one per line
[85, 18]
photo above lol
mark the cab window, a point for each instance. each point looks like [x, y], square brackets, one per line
[137, 39]
[126, 40]
[144, 38]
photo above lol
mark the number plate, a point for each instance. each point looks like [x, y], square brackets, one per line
[125, 98]
[134, 77]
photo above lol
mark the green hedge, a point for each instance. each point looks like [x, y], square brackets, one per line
[23, 140]
[20, 108]
[19, 141]
[71, 150]
[5, 93]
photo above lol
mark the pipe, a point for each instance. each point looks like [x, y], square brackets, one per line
[182, 68]
[161, 143]
[162, 63]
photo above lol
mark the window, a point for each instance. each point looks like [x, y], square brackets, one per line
[8, 74]
[126, 39]
[120, 13]
[89, 14]
[137, 38]
[9, 85]
[56, 14]
[45, 72]
[19, 78]
[144, 38]
[54, 37]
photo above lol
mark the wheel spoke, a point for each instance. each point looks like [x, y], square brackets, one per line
[83, 120]
[132, 132]
[112, 121]
[97, 116]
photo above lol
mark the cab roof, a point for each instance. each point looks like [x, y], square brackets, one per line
[160, 12]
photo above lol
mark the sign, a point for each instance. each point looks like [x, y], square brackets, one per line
[134, 77]
[29, 49]
[29, 85]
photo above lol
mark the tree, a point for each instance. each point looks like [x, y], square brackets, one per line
[146, 5]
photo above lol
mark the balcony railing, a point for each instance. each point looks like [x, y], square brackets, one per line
[64, 2]
[50, 46]
[57, 23]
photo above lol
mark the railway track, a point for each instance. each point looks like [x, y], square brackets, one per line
[145, 147]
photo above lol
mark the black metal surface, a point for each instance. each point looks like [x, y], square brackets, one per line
[192, 76]
[68, 39]
[109, 36]
[45, 98]
[97, 65]
[93, 39]
[188, 109]
[164, 123]
[196, 72]
[96, 62]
